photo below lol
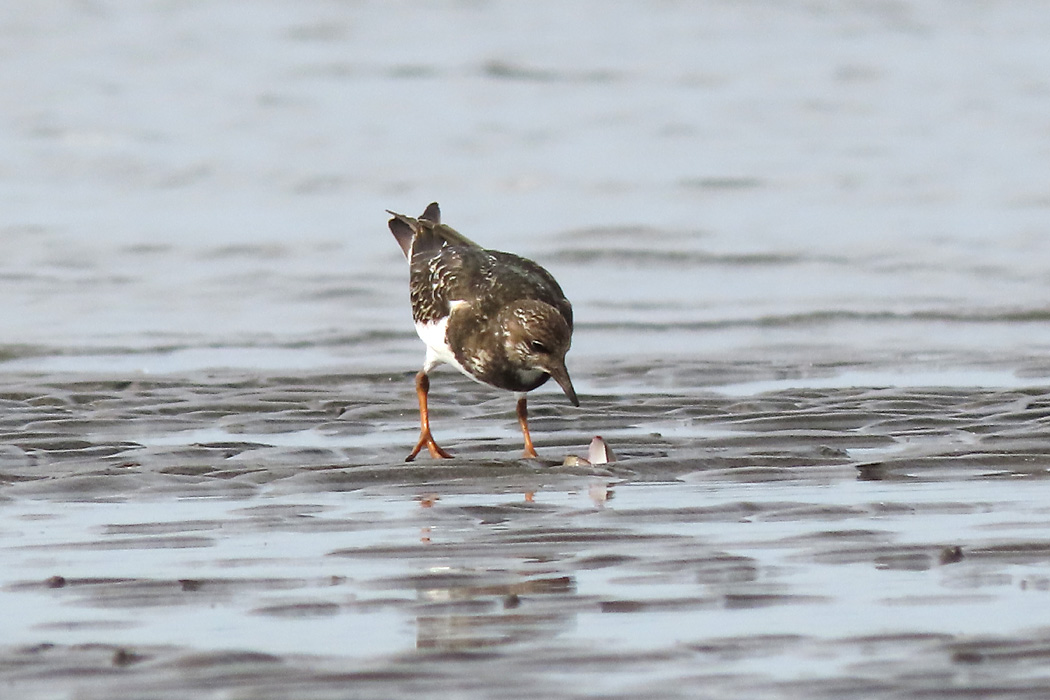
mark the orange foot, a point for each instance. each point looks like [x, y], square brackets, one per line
[427, 440]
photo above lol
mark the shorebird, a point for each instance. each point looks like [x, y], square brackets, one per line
[498, 318]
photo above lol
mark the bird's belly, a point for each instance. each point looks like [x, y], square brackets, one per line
[434, 336]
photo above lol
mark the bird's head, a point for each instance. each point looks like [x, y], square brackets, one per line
[537, 339]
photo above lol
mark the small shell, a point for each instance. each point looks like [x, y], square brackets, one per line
[599, 452]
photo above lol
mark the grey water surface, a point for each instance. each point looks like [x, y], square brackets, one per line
[807, 246]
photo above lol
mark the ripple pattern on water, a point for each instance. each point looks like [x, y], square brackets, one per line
[836, 541]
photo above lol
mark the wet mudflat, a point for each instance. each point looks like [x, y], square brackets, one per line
[260, 536]
[806, 247]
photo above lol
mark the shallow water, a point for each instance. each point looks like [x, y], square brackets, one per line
[805, 246]
[818, 540]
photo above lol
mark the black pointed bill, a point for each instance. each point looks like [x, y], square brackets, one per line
[561, 375]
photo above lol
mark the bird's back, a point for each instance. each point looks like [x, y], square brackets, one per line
[488, 278]
[447, 266]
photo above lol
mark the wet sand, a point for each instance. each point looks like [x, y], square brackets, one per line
[806, 247]
[260, 535]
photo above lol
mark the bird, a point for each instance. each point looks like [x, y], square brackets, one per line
[498, 318]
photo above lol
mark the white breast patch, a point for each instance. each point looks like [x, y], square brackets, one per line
[433, 334]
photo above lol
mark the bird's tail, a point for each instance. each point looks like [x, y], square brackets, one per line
[426, 233]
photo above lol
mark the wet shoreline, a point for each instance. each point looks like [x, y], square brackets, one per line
[805, 246]
[907, 520]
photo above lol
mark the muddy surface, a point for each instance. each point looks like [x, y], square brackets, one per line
[260, 535]
[806, 247]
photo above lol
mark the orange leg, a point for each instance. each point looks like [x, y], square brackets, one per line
[523, 420]
[425, 438]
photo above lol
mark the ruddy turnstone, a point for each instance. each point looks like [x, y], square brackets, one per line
[498, 318]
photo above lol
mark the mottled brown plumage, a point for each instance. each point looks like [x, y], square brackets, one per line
[497, 317]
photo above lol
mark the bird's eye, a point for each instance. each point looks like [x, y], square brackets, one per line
[537, 346]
